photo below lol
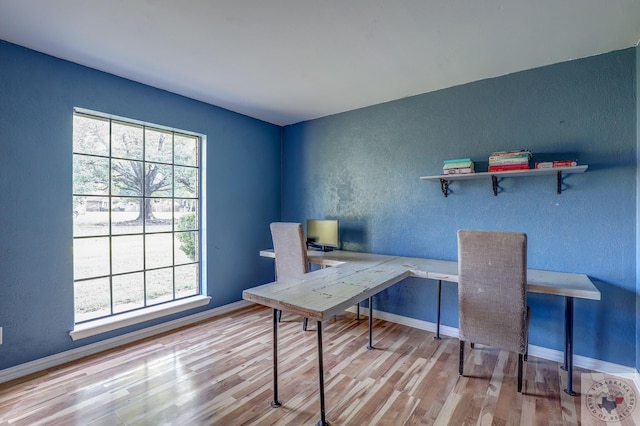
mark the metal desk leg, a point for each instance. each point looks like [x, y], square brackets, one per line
[275, 403]
[370, 345]
[437, 336]
[323, 421]
[568, 343]
[358, 311]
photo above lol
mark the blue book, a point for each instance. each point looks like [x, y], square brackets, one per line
[458, 160]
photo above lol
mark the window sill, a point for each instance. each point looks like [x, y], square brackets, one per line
[104, 325]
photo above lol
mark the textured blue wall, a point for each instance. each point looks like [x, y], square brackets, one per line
[37, 97]
[363, 167]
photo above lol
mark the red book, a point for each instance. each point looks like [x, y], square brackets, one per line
[508, 167]
[558, 163]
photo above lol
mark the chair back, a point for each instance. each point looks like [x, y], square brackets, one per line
[492, 293]
[290, 249]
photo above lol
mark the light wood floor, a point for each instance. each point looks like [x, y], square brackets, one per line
[220, 372]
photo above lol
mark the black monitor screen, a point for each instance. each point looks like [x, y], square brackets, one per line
[323, 233]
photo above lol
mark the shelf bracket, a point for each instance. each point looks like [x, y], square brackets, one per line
[444, 185]
[559, 182]
[494, 184]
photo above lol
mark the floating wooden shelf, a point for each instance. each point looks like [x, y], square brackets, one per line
[494, 176]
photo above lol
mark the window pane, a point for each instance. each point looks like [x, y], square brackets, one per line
[158, 180]
[128, 292]
[126, 141]
[161, 215]
[90, 257]
[158, 146]
[88, 219]
[158, 250]
[90, 135]
[186, 247]
[187, 279]
[187, 221]
[186, 182]
[90, 175]
[92, 299]
[127, 177]
[159, 286]
[127, 253]
[186, 150]
[126, 217]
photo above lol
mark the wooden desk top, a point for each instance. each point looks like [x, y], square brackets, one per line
[356, 276]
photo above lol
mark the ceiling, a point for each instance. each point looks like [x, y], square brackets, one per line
[286, 61]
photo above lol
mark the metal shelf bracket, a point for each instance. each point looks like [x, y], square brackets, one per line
[444, 185]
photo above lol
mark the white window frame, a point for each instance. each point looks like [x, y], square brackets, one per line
[128, 318]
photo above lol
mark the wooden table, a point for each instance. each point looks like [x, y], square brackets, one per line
[356, 276]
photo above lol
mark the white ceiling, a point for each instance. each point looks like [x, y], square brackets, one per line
[285, 61]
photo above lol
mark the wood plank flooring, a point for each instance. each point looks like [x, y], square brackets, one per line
[219, 372]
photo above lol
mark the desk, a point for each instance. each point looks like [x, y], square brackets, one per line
[356, 276]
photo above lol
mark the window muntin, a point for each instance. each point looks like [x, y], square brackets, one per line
[136, 216]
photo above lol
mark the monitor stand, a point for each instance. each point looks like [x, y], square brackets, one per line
[320, 247]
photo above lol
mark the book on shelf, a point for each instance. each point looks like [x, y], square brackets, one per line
[508, 167]
[458, 171]
[458, 160]
[524, 152]
[558, 163]
[460, 165]
[510, 160]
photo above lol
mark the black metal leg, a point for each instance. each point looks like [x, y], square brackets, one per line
[437, 337]
[275, 403]
[461, 358]
[279, 315]
[568, 343]
[323, 421]
[358, 311]
[305, 320]
[520, 359]
[370, 345]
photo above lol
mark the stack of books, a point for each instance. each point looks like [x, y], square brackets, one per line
[557, 163]
[457, 166]
[503, 161]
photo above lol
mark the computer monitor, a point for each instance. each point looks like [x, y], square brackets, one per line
[323, 234]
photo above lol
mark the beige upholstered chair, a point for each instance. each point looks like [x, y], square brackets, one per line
[290, 249]
[492, 293]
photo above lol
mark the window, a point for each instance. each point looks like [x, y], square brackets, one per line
[136, 216]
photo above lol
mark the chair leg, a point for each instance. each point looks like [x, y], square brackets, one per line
[304, 324]
[473, 345]
[461, 360]
[520, 359]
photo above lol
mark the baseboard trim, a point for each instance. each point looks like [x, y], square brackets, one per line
[45, 363]
[537, 351]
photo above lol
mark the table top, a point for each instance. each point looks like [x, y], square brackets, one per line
[356, 276]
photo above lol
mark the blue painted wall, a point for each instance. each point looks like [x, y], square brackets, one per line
[362, 167]
[37, 97]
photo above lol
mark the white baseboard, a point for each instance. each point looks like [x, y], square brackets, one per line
[537, 351]
[41, 364]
